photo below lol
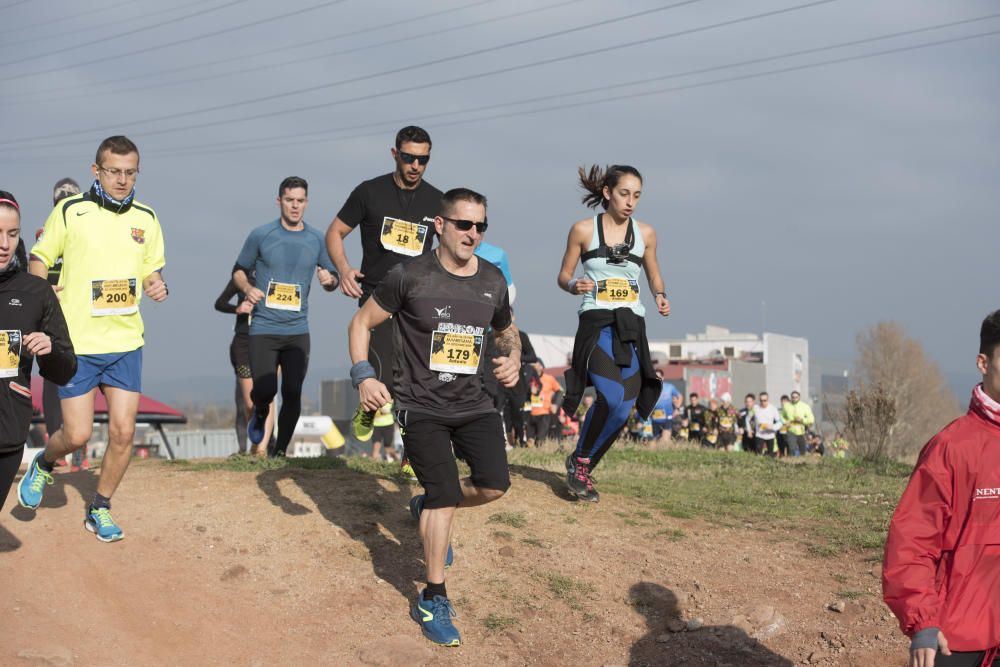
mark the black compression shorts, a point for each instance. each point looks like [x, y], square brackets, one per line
[239, 356]
[478, 440]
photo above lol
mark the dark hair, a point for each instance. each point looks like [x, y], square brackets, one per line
[764, 393]
[784, 397]
[989, 334]
[414, 135]
[10, 198]
[694, 393]
[20, 258]
[749, 396]
[117, 145]
[596, 180]
[456, 195]
[291, 183]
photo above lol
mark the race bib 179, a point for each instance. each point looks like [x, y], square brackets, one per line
[455, 352]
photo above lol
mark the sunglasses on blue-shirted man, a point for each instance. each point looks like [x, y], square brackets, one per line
[466, 225]
[408, 158]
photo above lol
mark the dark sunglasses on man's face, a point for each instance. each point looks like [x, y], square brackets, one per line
[466, 225]
[408, 158]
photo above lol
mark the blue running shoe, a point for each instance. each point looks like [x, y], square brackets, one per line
[416, 507]
[100, 523]
[32, 485]
[255, 427]
[434, 617]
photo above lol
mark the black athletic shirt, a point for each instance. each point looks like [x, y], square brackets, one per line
[223, 305]
[396, 224]
[443, 320]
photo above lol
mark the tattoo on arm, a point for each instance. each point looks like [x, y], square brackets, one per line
[508, 340]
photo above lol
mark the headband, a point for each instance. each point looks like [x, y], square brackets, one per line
[12, 203]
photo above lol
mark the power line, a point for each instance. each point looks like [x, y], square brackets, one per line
[267, 141]
[650, 93]
[103, 40]
[603, 100]
[299, 109]
[14, 4]
[246, 70]
[187, 40]
[76, 30]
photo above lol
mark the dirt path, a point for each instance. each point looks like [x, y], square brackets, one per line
[299, 567]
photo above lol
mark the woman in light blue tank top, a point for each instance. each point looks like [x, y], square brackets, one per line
[610, 353]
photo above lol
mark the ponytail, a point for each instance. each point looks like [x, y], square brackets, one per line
[594, 180]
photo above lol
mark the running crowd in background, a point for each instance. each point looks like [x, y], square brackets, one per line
[757, 427]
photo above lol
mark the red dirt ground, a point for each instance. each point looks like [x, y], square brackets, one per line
[299, 567]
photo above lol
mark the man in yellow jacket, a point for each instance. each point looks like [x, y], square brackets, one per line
[798, 417]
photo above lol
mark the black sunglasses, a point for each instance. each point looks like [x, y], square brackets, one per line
[466, 225]
[408, 158]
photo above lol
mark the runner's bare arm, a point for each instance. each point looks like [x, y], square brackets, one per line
[253, 294]
[349, 276]
[154, 287]
[373, 394]
[508, 365]
[36, 267]
[652, 268]
[579, 237]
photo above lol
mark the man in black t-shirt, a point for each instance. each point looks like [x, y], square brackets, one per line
[395, 214]
[444, 303]
[695, 413]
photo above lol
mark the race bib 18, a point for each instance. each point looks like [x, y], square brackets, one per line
[455, 352]
[617, 290]
[283, 296]
[10, 352]
[116, 296]
[405, 238]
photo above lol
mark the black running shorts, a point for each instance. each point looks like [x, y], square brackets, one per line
[478, 440]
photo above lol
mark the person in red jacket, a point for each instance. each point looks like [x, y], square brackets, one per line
[941, 571]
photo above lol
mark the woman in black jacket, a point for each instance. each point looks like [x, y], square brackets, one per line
[31, 325]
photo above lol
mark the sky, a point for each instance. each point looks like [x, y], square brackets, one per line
[788, 193]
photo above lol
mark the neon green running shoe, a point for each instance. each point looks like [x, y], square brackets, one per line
[407, 469]
[363, 424]
[100, 523]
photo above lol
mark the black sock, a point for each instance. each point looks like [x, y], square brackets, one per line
[434, 589]
[45, 465]
[100, 501]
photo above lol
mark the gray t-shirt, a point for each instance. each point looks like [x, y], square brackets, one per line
[443, 321]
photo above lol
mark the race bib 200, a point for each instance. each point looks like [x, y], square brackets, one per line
[617, 290]
[402, 237]
[10, 352]
[116, 296]
[283, 296]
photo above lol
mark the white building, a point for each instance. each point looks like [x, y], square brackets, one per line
[785, 358]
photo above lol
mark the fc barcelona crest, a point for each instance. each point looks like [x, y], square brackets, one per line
[138, 235]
